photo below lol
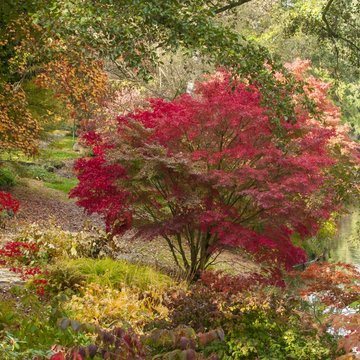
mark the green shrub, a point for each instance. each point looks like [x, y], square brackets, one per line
[7, 178]
[30, 328]
[39, 172]
[64, 278]
[269, 324]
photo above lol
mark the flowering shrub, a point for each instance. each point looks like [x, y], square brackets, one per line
[8, 205]
[215, 170]
[35, 275]
[22, 255]
[15, 249]
[18, 252]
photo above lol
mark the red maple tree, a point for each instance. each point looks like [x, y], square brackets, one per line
[213, 170]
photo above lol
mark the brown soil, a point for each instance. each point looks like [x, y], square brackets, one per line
[40, 204]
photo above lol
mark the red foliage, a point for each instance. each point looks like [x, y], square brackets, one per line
[58, 356]
[8, 203]
[105, 197]
[33, 273]
[213, 170]
[17, 250]
[230, 284]
[22, 252]
[335, 284]
[62, 356]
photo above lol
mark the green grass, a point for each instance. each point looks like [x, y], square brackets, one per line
[61, 149]
[65, 143]
[13, 170]
[39, 172]
[16, 156]
[54, 154]
[62, 184]
[115, 273]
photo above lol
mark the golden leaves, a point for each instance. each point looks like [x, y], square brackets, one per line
[80, 84]
[18, 129]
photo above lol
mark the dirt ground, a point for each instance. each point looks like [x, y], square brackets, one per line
[39, 204]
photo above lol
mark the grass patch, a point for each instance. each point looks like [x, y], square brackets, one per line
[61, 149]
[44, 173]
[39, 172]
[113, 273]
[65, 143]
[62, 184]
[55, 154]
[16, 156]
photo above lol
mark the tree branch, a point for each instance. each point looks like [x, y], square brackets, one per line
[330, 31]
[230, 6]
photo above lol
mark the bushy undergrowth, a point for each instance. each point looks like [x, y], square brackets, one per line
[7, 178]
[246, 317]
[263, 323]
[54, 243]
[117, 273]
[272, 325]
[29, 328]
[128, 307]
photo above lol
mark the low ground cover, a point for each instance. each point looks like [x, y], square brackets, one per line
[94, 307]
[57, 154]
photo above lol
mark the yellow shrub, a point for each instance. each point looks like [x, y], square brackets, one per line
[110, 307]
[53, 242]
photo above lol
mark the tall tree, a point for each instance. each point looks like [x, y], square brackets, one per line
[336, 24]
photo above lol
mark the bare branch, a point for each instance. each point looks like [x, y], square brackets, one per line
[231, 5]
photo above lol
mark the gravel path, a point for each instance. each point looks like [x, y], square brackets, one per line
[39, 204]
[9, 278]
